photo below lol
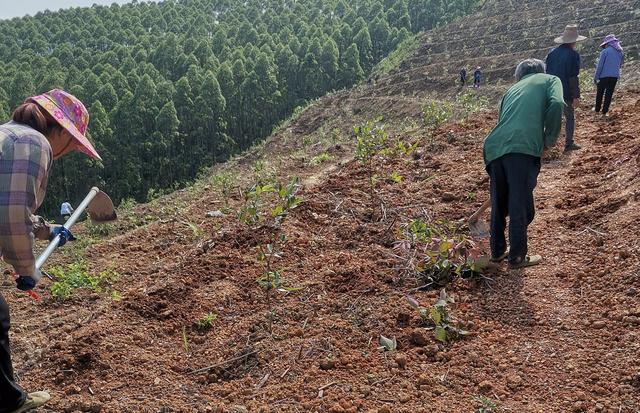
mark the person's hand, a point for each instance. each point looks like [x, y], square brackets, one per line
[576, 103]
[25, 282]
[596, 81]
[65, 235]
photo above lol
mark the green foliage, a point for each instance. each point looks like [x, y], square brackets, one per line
[445, 327]
[437, 252]
[486, 405]
[471, 102]
[270, 205]
[405, 49]
[435, 113]
[585, 78]
[321, 158]
[224, 184]
[175, 86]
[205, 322]
[396, 177]
[73, 276]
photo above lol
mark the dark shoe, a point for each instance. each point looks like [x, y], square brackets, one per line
[501, 257]
[528, 261]
[33, 400]
[572, 147]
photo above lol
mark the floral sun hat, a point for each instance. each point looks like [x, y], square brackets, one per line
[71, 114]
[609, 39]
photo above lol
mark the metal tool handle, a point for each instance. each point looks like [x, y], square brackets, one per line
[72, 220]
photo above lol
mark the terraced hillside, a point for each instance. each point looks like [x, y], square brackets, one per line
[504, 32]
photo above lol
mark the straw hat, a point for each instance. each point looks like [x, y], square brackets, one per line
[570, 35]
[71, 114]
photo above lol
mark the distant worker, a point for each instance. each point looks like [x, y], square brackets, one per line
[65, 211]
[463, 77]
[43, 128]
[564, 62]
[476, 77]
[529, 121]
[608, 72]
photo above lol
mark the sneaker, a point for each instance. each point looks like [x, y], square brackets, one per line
[500, 257]
[33, 400]
[528, 261]
[572, 147]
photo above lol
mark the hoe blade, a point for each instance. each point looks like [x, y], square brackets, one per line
[101, 209]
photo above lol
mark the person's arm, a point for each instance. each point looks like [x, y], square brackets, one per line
[553, 113]
[31, 161]
[574, 81]
[601, 60]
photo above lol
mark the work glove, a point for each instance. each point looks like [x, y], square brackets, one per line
[26, 282]
[65, 235]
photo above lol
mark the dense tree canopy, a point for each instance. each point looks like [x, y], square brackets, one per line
[175, 86]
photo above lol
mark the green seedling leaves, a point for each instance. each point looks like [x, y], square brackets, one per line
[389, 344]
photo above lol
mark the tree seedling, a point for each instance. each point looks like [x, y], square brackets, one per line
[205, 322]
[254, 214]
[371, 139]
[446, 328]
[486, 405]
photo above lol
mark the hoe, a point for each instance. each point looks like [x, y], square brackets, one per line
[100, 209]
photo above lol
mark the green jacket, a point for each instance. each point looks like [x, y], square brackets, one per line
[530, 118]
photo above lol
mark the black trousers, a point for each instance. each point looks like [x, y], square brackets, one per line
[513, 179]
[606, 86]
[11, 395]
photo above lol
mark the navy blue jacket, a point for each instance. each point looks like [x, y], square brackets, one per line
[564, 62]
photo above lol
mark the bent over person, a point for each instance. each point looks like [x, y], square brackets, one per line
[530, 120]
[42, 129]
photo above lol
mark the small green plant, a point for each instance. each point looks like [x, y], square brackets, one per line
[435, 114]
[371, 139]
[322, 158]
[446, 328]
[205, 322]
[472, 102]
[396, 177]
[437, 252]
[255, 213]
[486, 405]
[224, 183]
[75, 276]
[115, 295]
[585, 79]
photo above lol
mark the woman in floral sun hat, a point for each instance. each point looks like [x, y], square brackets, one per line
[42, 129]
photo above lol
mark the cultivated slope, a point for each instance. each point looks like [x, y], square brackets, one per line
[560, 337]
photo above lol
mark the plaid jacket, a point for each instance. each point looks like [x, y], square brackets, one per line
[25, 161]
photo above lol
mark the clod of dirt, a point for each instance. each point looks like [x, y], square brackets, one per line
[419, 337]
[336, 408]
[485, 386]
[401, 360]
[384, 410]
[403, 319]
[514, 381]
[448, 197]
[328, 364]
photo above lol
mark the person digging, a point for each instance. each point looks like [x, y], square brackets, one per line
[529, 121]
[42, 129]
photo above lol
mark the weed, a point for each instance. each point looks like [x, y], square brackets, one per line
[585, 78]
[446, 328]
[486, 405]
[205, 322]
[75, 276]
[322, 158]
[115, 295]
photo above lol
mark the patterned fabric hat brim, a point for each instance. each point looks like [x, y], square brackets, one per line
[65, 120]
